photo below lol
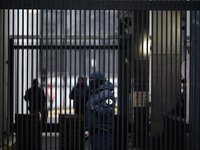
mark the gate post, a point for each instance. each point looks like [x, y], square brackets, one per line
[1, 68]
[194, 80]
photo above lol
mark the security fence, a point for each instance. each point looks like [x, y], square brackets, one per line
[147, 51]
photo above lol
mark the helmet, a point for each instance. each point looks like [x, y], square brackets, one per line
[97, 75]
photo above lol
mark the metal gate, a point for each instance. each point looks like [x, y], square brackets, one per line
[147, 50]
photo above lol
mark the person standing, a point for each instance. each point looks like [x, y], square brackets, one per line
[37, 100]
[100, 112]
[80, 94]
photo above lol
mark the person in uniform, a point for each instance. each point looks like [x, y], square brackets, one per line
[100, 112]
[37, 100]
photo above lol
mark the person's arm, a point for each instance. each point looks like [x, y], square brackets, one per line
[106, 107]
[87, 124]
[26, 98]
[44, 98]
[71, 95]
[87, 95]
[26, 95]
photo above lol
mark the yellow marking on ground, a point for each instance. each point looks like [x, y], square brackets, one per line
[54, 112]
[63, 112]
[10, 146]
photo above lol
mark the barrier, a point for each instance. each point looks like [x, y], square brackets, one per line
[28, 131]
[72, 132]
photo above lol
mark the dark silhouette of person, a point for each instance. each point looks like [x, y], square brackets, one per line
[80, 94]
[179, 109]
[37, 100]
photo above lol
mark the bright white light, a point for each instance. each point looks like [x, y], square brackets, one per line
[145, 48]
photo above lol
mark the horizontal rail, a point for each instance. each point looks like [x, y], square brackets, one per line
[69, 37]
[102, 5]
[67, 47]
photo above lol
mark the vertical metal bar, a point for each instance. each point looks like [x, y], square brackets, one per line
[185, 80]
[12, 102]
[41, 72]
[127, 82]
[147, 82]
[56, 75]
[26, 73]
[9, 58]
[32, 68]
[99, 63]
[80, 101]
[65, 93]
[137, 80]
[63, 145]
[132, 77]
[151, 72]
[171, 79]
[175, 124]
[94, 71]
[94, 83]
[75, 90]
[87, 123]
[37, 75]
[166, 79]
[11, 61]
[3, 77]
[109, 19]
[51, 74]
[161, 79]
[85, 82]
[103, 69]
[7, 105]
[31, 74]
[142, 77]
[70, 76]
[9, 97]
[6, 112]
[17, 74]
[62, 70]
[156, 82]
[47, 69]
[119, 42]
[198, 83]
[99, 68]
[22, 75]
[113, 123]
[123, 75]
[12, 126]
[191, 76]
[179, 80]
[108, 60]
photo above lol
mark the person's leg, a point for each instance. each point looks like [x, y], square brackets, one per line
[105, 141]
[92, 141]
[101, 141]
[44, 114]
[110, 140]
